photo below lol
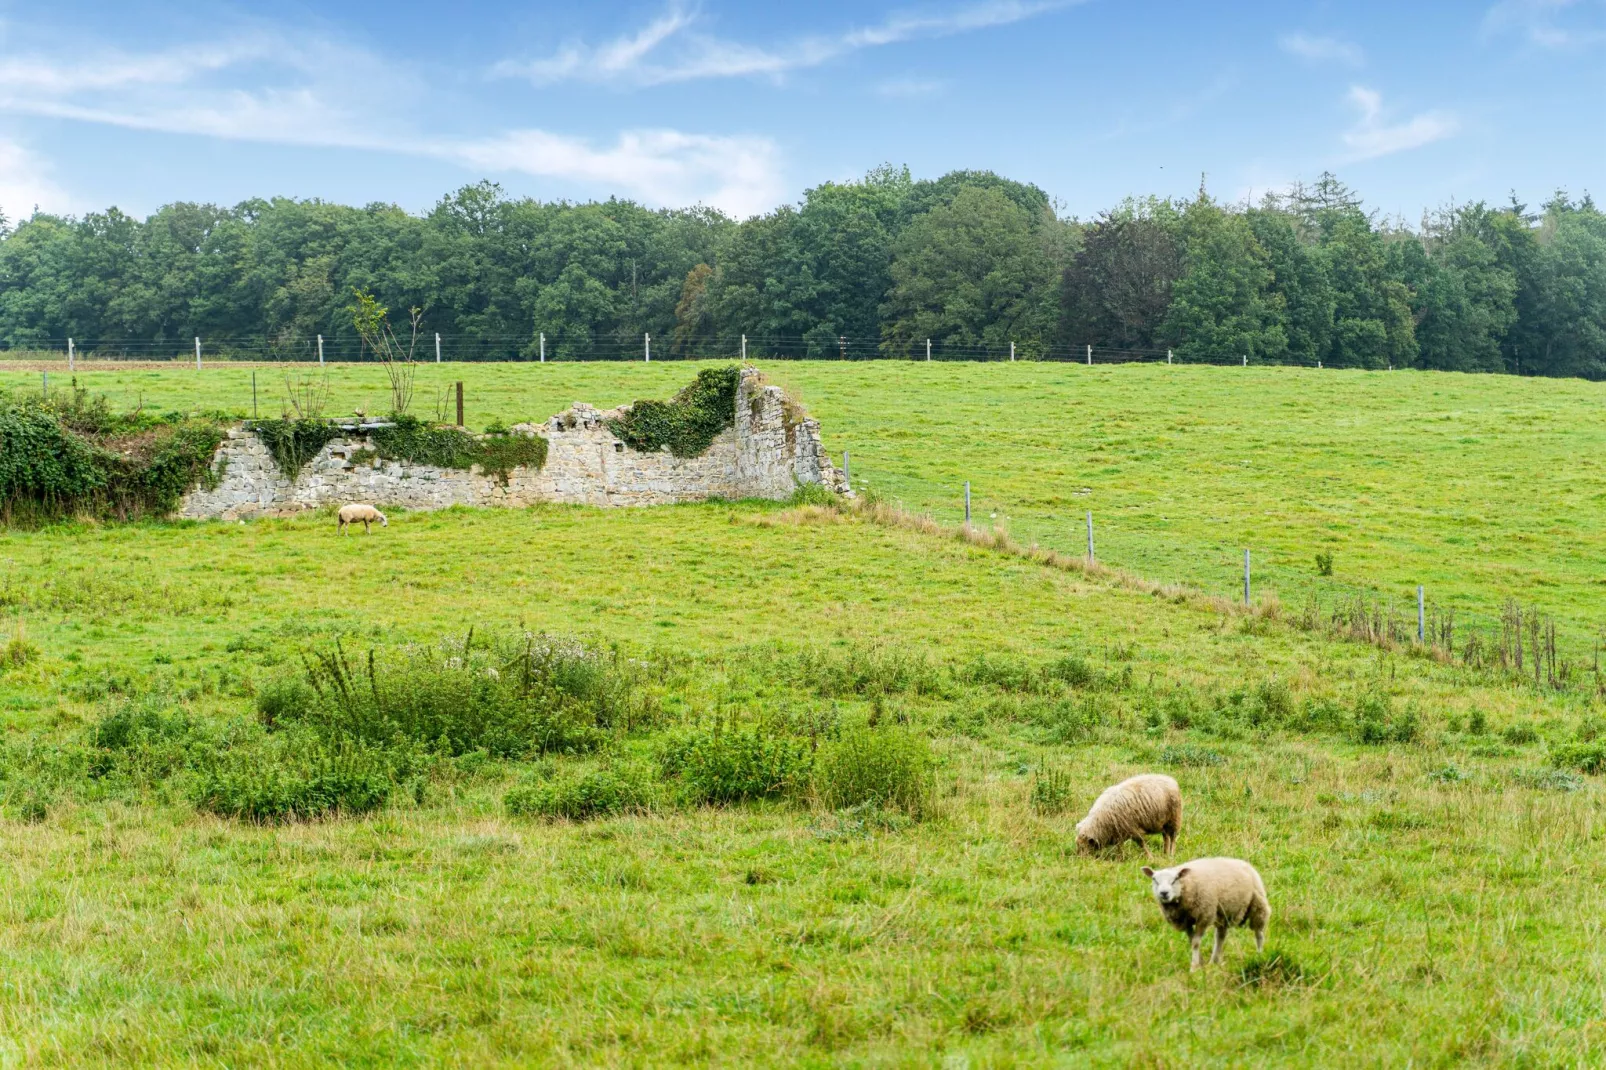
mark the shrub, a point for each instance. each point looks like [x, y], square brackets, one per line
[281, 778]
[67, 454]
[1477, 723]
[689, 422]
[17, 650]
[1520, 734]
[1585, 757]
[725, 763]
[1270, 969]
[813, 494]
[1052, 791]
[887, 767]
[1376, 722]
[511, 696]
[596, 793]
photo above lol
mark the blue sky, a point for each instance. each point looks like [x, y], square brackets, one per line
[744, 106]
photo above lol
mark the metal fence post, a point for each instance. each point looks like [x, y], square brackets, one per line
[1246, 576]
[1090, 557]
[437, 347]
[320, 349]
[1421, 616]
[197, 352]
[967, 503]
[646, 346]
[928, 349]
[744, 347]
[543, 347]
[1012, 352]
[69, 356]
[847, 468]
[1090, 356]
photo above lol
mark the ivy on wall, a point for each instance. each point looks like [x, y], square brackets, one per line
[687, 423]
[67, 454]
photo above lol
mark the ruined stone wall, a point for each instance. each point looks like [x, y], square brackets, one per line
[768, 453]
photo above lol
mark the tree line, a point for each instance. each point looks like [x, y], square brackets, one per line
[974, 262]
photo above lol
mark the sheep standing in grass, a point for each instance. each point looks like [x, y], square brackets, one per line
[364, 514]
[1212, 892]
[1134, 808]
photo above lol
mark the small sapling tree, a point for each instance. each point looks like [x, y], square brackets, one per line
[373, 325]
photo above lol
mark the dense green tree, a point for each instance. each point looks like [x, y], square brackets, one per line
[1117, 289]
[974, 273]
[1224, 304]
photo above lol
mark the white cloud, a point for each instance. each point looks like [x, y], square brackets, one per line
[1550, 24]
[1321, 49]
[737, 174]
[25, 183]
[286, 89]
[670, 50]
[1372, 137]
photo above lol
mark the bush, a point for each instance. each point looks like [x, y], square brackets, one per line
[1519, 734]
[1324, 563]
[597, 793]
[813, 494]
[1270, 969]
[512, 696]
[17, 650]
[689, 422]
[68, 454]
[1585, 757]
[725, 763]
[1052, 792]
[1548, 779]
[1376, 722]
[281, 778]
[887, 767]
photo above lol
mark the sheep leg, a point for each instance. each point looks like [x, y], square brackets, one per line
[1194, 935]
[1260, 937]
[1221, 938]
[1170, 841]
[365, 530]
[1143, 842]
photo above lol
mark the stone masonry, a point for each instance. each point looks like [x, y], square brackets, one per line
[769, 453]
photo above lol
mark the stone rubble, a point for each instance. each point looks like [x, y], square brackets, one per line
[770, 451]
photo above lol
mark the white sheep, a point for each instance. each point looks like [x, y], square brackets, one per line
[1131, 810]
[1208, 892]
[366, 514]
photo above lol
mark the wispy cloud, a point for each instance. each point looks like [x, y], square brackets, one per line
[26, 183]
[287, 89]
[738, 174]
[672, 49]
[1321, 49]
[1550, 24]
[910, 88]
[1372, 136]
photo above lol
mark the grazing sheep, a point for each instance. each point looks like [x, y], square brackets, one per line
[1131, 810]
[366, 514]
[1209, 892]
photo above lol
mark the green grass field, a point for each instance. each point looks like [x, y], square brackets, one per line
[1434, 886]
[1481, 488]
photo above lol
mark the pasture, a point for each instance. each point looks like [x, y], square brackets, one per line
[1480, 488]
[1430, 834]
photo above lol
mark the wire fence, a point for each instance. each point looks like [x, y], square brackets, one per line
[1491, 631]
[431, 347]
[1529, 642]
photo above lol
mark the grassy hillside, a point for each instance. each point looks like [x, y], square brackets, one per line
[1481, 488]
[1439, 888]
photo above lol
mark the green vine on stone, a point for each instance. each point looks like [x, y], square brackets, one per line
[293, 443]
[412, 440]
[67, 455]
[689, 422]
